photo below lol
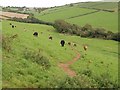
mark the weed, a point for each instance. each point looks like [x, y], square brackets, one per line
[37, 57]
[7, 41]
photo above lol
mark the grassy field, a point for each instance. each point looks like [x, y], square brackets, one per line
[100, 19]
[62, 13]
[104, 19]
[20, 71]
[100, 5]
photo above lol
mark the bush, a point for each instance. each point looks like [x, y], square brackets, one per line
[64, 27]
[7, 41]
[116, 36]
[31, 19]
[37, 57]
[85, 31]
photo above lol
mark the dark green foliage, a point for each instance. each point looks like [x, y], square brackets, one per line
[31, 19]
[37, 57]
[85, 31]
[71, 5]
[62, 26]
[40, 9]
[116, 36]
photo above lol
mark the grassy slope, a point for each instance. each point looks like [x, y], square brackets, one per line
[62, 13]
[100, 19]
[15, 63]
[33, 75]
[100, 5]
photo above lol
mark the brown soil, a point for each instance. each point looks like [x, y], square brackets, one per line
[11, 15]
[66, 66]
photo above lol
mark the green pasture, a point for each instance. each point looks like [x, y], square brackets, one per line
[101, 19]
[99, 5]
[63, 13]
[21, 72]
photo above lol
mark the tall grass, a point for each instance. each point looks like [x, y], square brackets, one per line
[37, 57]
[6, 42]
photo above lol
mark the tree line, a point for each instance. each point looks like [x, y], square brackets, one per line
[85, 31]
[31, 19]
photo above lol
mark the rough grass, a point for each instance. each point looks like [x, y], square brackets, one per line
[19, 71]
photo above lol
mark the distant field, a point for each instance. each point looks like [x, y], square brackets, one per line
[76, 15]
[100, 5]
[63, 13]
[21, 72]
[101, 19]
[11, 15]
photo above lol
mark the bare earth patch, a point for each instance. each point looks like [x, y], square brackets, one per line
[11, 15]
[2, 17]
[66, 66]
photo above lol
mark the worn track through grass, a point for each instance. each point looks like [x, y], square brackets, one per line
[66, 66]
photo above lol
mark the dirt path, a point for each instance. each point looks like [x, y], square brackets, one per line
[66, 66]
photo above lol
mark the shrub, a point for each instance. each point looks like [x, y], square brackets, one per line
[61, 26]
[31, 19]
[85, 31]
[7, 41]
[116, 37]
[64, 27]
[71, 5]
[37, 57]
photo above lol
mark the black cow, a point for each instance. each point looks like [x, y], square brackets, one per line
[50, 37]
[10, 23]
[62, 43]
[13, 26]
[75, 44]
[35, 34]
[69, 43]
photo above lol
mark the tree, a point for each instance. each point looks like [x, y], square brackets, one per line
[71, 5]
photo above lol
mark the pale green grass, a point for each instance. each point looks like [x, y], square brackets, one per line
[101, 19]
[63, 13]
[33, 75]
[100, 5]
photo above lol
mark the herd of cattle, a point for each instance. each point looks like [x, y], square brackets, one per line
[62, 42]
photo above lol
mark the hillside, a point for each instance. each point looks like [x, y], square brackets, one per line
[20, 71]
[33, 57]
[80, 15]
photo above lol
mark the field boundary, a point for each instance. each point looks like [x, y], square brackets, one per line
[84, 14]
